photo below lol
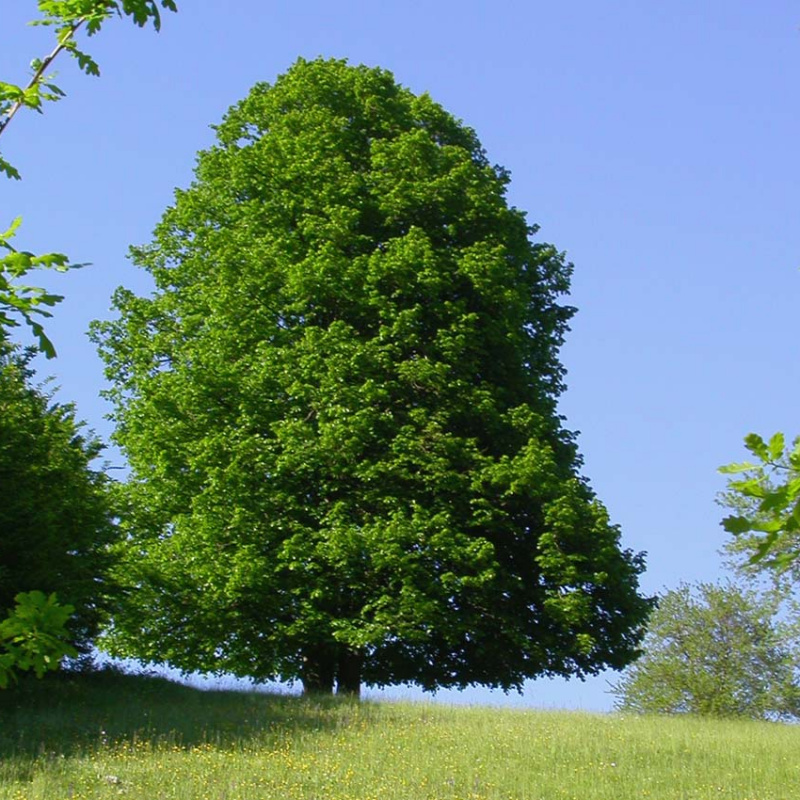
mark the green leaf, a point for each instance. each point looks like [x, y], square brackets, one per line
[764, 547]
[753, 487]
[743, 466]
[11, 232]
[11, 92]
[737, 525]
[794, 455]
[17, 263]
[9, 170]
[86, 63]
[45, 345]
[770, 525]
[776, 446]
[756, 445]
[774, 500]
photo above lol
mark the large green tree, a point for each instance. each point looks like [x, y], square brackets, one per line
[56, 525]
[339, 408]
[719, 650]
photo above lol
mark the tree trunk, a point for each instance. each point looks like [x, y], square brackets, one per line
[348, 673]
[319, 670]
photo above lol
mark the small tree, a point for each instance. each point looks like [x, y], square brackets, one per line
[715, 650]
[55, 520]
[339, 408]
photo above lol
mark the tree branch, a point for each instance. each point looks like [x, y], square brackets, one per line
[41, 69]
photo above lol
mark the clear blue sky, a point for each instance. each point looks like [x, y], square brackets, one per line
[658, 144]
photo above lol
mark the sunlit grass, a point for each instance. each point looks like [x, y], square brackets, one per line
[146, 739]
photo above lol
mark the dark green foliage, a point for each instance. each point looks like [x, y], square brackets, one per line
[716, 650]
[55, 523]
[339, 407]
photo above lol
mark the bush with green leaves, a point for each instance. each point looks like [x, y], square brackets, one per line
[719, 650]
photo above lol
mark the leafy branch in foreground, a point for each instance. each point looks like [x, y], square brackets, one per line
[34, 636]
[66, 17]
[27, 301]
[765, 497]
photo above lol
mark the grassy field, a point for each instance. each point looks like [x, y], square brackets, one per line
[112, 736]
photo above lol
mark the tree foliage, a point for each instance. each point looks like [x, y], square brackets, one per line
[66, 18]
[55, 521]
[34, 636]
[339, 408]
[717, 650]
[765, 499]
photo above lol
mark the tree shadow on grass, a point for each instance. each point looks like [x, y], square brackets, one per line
[67, 715]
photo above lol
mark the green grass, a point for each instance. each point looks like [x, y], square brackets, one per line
[113, 736]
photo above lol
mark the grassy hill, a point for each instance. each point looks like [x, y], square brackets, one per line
[141, 738]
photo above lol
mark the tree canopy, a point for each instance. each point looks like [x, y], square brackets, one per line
[718, 650]
[55, 519]
[340, 411]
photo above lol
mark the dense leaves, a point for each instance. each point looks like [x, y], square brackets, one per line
[339, 407]
[55, 522]
[716, 650]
